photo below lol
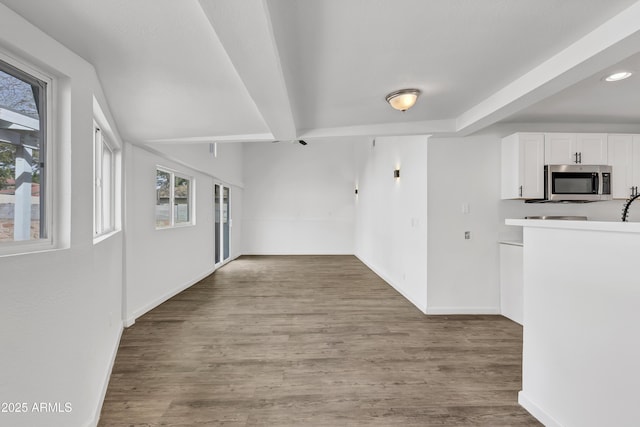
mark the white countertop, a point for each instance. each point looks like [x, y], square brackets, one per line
[618, 227]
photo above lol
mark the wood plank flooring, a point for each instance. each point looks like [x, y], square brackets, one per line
[312, 341]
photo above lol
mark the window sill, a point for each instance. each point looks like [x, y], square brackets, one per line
[172, 227]
[28, 248]
[105, 236]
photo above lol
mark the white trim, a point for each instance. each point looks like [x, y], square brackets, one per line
[421, 307]
[51, 150]
[535, 410]
[105, 236]
[463, 310]
[105, 385]
[299, 254]
[148, 307]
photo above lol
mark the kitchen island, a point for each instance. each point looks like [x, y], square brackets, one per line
[581, 340]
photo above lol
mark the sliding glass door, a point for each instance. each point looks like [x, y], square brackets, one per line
[222, 223]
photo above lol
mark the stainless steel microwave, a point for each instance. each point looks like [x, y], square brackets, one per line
[585, 183]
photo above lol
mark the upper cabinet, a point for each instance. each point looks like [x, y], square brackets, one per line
[523, 166]
[575, 148]
[624, 158]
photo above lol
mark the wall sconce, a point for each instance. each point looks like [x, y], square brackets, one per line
[396, 173]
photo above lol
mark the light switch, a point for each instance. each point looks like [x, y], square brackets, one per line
[466, 209]
[467, 235]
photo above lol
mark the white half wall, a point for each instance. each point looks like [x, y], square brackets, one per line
[464, 274]
[163, 262]
[580, 342]
[391, 226]
[61, 315]
[299, 199]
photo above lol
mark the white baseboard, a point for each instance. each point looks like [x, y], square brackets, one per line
[105, 385]
[462, 310]
[420, 306]
[132, 319]
[297, 254]
[536, 411]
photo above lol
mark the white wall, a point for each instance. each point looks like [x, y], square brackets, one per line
[162, 263]
[61, 310]
[299, 199]
[391, 226]
[226, 166]
[463, 274]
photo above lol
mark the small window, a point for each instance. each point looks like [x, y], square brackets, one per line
[181, 195]
[173, 199]
[23, 107]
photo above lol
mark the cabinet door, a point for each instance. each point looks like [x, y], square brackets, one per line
[532, 165]
[621, 161]
[591, 148]
[560, 149]
[635, 162]
[523, 166]
[510, 169]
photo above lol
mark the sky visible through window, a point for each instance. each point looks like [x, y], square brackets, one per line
[17, 95]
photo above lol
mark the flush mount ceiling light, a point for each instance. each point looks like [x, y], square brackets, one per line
[403, 99]
[618, 76]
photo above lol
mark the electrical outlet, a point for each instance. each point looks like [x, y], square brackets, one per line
[467, 235]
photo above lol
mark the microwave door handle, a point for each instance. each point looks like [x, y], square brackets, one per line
[596, 183]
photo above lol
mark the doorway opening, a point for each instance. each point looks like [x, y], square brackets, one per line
[222, 223]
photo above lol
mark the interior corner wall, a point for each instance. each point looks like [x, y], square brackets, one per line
[61, 309]
[298, 199]
[391, 225]
[163, 262]
[464, 274]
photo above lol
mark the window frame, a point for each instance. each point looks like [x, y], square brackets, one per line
[48, 182]
[190, 199]
[100, 143]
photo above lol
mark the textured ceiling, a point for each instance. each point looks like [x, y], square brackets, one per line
[279, 69]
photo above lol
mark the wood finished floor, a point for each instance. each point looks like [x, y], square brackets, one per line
[312, 341]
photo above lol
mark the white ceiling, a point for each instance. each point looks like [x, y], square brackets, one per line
[209, 70]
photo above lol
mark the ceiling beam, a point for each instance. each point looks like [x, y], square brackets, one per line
[610, 43]
[253, 137]
[426, 127]
[245, 31]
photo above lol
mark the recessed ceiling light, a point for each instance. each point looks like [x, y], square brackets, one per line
[618, 76]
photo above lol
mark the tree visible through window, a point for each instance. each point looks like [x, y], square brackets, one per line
[173, 199]
[22, 147]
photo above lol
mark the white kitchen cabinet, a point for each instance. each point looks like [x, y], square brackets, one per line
[624, 158]
[523, 166]
[575, 148]
[511, 281]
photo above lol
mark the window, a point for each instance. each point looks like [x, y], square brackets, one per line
[23, 148]
[104, 194]
[173, 199]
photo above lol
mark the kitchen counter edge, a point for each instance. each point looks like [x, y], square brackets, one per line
[616, 227]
